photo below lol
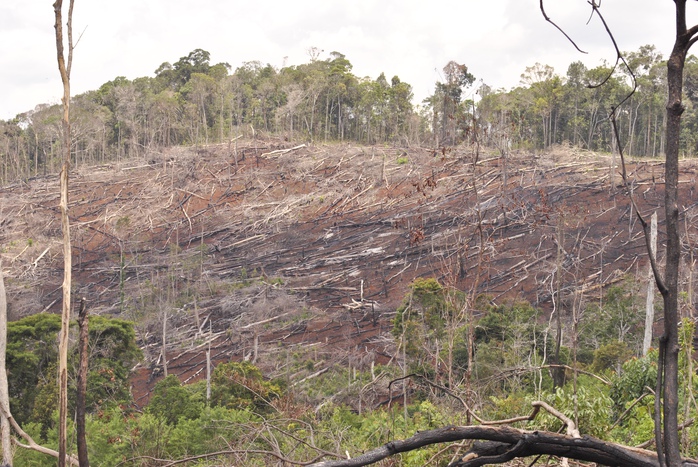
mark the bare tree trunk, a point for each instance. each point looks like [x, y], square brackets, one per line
[669, 343]
[649, 317]
[558, 373]
[208, 374]
[83, 323]
[67, 259]
[164, 343]
[4, 391]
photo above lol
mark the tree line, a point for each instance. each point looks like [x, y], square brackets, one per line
[193, 101]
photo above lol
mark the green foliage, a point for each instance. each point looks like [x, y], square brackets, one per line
[638, 377]
[426, 305]
[31, 351]
[420, 322]
[32, 355]
[171, 401]
[589, 406]
[240, 385]
[620, 319]
[505, 337]
[114, 352]
[611, 356]
[345, 430]
[507, 322]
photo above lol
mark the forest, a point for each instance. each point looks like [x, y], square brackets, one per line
[194, 102]
[538, 349]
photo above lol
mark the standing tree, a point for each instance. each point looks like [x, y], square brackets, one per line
[64, 69]
[667, 377]
[83, 343]
[5, 443]
[446, 102]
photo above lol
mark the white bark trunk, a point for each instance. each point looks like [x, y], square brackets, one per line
[649, 317]
[5, 440]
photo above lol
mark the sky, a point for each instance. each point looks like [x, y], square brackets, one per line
[495, 39]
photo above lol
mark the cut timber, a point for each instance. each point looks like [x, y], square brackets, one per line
[279, 152]
[264, 321]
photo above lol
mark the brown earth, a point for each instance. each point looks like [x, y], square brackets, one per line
[262, 248]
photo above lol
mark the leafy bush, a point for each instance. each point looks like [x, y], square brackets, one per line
[240, 385]
[620, 319]
[589, 406]
[32, 353]
[611, 356]
[171, 401]
[638, 374]
[420, 322]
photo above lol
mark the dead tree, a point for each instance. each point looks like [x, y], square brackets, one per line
[667, 378]
[64, 69]
[508, 443]
[4, 390]
[83, 343]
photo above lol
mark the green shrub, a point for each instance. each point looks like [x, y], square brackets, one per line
[638, 377]
[171, 401]
[240, 385]
[611, 356]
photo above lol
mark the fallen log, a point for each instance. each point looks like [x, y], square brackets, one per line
[279, 152]
[504, 443]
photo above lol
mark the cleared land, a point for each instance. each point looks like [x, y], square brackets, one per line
[260, 247]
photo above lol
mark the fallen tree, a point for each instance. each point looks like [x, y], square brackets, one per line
[505, 443]
[500, 444]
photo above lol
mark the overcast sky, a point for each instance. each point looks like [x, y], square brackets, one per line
[496, 39]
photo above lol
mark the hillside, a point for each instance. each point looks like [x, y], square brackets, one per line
[266, 246]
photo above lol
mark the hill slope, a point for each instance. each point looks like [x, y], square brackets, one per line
[248, 246]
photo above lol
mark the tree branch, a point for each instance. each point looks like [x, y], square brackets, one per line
[511, 442]
[547, 18]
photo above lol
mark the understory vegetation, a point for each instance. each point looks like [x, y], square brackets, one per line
[251, 419]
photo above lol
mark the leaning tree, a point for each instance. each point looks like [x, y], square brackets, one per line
[498, 442]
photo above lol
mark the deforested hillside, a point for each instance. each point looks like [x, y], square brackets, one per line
[268, 249]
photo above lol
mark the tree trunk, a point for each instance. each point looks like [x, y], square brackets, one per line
[164, 343]
[82, 385]
[649, 316]
[509, 443]
[558, 372]
[669, 344]
[5, 441]
[64, 70]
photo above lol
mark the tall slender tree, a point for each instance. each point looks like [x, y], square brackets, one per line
[83, 343]
[5, 441]
[669, 342]
[64, 69]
